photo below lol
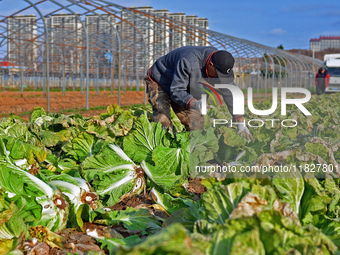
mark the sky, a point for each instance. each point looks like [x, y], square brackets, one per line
[291, 23]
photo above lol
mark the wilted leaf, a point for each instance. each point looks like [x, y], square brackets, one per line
[249, 205]
[43, 234]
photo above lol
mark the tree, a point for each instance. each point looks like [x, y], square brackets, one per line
[280, 47]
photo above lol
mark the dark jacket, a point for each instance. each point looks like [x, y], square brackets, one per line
[322, 79]
[179, 74]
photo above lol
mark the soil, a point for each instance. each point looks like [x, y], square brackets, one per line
[100, 229]
[76, 242]
[196, 187]
[139, 201]
[134, 201]
[13, 102]
[72, 241]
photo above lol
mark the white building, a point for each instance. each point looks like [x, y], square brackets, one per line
[102, 32]
[145, 35]
[324, 42]
[21, 46]
[162, 33]
[137, 32]
[66, 38]
[191, 32]
[100, 24]
[203, 36]
[177, 30]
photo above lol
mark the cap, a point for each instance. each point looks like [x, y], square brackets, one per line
[223, 62]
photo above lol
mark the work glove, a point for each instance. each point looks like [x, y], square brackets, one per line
[244, 131]
[198, 105]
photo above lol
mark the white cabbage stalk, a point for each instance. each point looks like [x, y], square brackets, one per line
[147, 170]
[93, 233]
[129, 177]
[155, 196]
[21, 162]
[120, 167]
[83, 184]
[44, 187]
[129, 174]
[54, 211]
[54, 206]
[5, 233]
[121, 153]
[6, 130]
[236, 162]
[10, 194]
[40, 120]
[78, 194]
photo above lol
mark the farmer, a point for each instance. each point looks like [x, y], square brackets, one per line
[321, 80]
[177, 80]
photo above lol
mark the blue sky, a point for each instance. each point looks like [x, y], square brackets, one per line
[290, 23]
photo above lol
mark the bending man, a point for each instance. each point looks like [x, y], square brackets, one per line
[177, 80]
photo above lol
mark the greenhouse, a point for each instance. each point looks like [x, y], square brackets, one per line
[98, 44]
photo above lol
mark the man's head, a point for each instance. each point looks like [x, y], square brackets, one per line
[221, 65]
[322, 70]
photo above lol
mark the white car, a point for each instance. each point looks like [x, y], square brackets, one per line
[334, 82]
[332, 64]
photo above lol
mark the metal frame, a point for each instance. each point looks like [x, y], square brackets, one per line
[136, 39]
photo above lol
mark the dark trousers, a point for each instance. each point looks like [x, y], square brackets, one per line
[320, 88]
[161, 103]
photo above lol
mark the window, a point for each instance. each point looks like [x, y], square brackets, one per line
[334, 71]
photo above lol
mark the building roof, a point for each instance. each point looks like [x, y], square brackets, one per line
[178, 13]
[325, 38]
[23, 16]
[329, 37]
[140, 7]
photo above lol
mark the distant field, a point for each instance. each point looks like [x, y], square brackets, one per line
[11, 102]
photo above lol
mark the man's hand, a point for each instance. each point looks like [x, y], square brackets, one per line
[243, 130]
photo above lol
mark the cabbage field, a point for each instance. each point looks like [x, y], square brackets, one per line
[118, 183]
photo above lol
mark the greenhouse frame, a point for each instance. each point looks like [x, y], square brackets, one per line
[98, 44]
